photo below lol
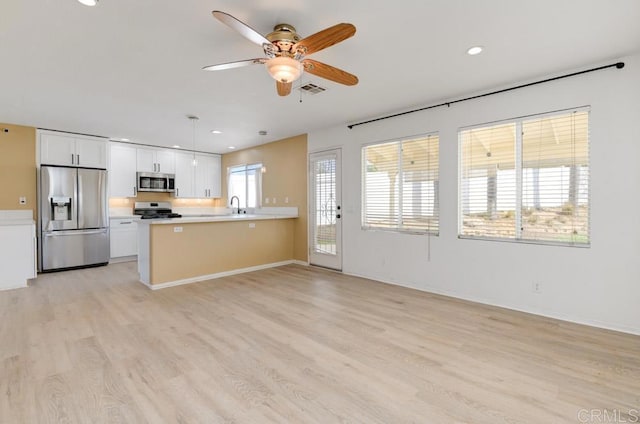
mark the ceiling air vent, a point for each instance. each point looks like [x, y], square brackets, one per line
[312, 88]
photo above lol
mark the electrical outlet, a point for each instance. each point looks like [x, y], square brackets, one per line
[536, 287]
[273, 200]
[177, 229]
[286, 200]
[23, 200]
[266, 200]
[252, 225]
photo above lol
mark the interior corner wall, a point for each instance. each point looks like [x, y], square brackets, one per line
[285, 180]
[18, 167]
[598, 286]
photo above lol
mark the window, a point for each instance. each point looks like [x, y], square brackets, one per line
[400, 185]
[245, 181]
[527, 179]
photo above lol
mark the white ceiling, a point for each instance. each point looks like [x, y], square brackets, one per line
[132, 68]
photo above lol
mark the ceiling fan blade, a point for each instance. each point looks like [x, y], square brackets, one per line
[231, 65]
[329, 72]
[244, 29]
[325, 38]
[284, 88]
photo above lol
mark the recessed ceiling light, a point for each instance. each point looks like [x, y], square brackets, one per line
[124, 139]
[475, 50]
[89, 2]
[232, 147]
[216, 132]
[175, 146]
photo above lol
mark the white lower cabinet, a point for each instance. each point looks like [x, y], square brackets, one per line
[124, 237]
[17, 255]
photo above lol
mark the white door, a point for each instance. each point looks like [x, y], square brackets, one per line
[325, 210]
[91, 153]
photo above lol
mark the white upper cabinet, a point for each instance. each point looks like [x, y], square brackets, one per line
[202, 180]
[122, 172]
[184, 175]
[207, 178]
[66, 149]
[156, 160]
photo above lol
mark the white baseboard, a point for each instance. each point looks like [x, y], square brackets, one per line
[19, 286]
[489, 302]
[221, 274]
[123, 259]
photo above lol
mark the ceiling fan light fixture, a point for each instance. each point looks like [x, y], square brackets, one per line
[284, 69]
[89, 2]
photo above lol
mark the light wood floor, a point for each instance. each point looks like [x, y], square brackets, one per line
[295, 345]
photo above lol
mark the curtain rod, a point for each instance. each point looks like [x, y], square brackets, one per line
[618, 65]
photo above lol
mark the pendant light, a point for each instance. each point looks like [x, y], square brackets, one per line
[194, 120]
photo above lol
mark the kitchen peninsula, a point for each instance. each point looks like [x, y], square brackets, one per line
[185, 250]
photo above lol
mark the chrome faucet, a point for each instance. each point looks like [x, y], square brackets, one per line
[231, 203]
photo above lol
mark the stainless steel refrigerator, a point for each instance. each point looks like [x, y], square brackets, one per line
[74, 223]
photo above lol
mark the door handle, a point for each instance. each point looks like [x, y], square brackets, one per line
[338, 216]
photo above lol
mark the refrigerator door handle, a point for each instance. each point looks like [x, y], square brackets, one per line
[75, 232]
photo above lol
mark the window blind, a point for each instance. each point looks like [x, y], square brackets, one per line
[527, 179]
[400, 185]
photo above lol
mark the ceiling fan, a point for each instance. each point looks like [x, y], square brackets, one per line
[286, 52]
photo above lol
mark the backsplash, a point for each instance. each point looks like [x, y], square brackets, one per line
[124, 205]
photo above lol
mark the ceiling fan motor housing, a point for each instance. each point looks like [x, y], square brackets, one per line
[284, 37]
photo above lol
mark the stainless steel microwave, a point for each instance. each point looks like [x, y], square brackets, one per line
[152, 181]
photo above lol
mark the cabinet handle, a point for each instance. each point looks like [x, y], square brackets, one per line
[135, 191]
[177, 192]
[158, 167]
[126, 222]
[73, 159]
[77, 159]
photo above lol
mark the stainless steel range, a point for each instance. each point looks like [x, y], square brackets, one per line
[154, 210]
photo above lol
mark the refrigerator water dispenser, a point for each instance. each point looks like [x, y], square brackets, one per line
[61, 208]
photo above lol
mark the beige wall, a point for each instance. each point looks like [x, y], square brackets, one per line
[18, 167]
[286, 176]
[215, 247]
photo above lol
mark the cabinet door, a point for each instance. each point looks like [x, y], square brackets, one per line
[184, 175]
[57, 149]
[165, 160]
[124, 238]
[146, 160]
[122, 172]
[216, 185]
[207, 176]
[17, 255]
[91, 153]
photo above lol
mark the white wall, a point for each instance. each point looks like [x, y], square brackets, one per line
[599, 285]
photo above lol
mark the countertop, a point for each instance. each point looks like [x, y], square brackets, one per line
[10, 222]
[16, 217]
[186, 219]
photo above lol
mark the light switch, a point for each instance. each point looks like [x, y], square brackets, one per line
[177, 229]
[252, 225]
